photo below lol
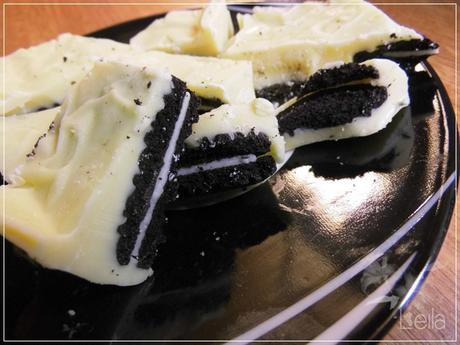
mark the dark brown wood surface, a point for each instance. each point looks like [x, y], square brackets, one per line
[431, 316]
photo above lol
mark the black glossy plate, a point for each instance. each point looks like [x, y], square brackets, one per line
[332, 247]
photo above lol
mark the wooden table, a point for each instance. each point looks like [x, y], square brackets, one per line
[27, 25]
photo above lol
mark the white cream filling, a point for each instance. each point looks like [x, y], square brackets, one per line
[217, 164]
[162, 176]
[407, 54]
[394, 79]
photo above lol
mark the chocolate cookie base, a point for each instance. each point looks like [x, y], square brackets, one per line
[224, 146]
[409, 51]
[150, 163]
[224, 179]
[325, 78]
[331, 107]
[207, 104]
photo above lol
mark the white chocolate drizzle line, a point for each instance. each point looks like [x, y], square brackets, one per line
[162, 176]
[217, 164]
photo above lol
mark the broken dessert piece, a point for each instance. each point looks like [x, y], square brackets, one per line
[387, 150]
[21, 134]
[230, 147]
[39, 77]
[288, 44]
[216, 81]
[351, 100]
[95, 188]
[197, 32]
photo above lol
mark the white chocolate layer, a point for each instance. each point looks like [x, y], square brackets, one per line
[76, 186]
[291, 43]
[394, 79]
[40, 76]
[197, 32]
[259, 115]
[21, 134]
[227, 80]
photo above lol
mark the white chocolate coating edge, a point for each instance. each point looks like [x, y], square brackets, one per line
[162, 176]
[392, 77]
